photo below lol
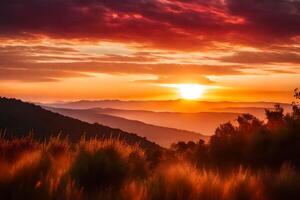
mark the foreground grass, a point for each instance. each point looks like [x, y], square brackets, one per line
[111, 169]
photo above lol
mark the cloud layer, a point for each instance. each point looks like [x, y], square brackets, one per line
[166, 41]
[186, 24]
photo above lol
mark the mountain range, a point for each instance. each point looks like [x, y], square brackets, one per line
[165, 105]
[194, 116]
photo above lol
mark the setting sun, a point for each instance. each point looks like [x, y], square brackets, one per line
[191, 91]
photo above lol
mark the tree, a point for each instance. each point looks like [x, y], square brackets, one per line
[275, 116]
[248, 123]
[295, 104]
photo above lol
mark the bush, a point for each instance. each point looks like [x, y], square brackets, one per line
[110, 169]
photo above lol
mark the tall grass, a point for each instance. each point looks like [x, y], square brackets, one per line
[111, 169]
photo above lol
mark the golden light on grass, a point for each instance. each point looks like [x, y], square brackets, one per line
[191, 91]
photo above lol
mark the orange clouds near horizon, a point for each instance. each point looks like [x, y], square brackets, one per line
[68, 50]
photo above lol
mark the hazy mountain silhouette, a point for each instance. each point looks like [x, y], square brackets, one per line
[163, 136]
[256, 111]
[18, 118]
[196, 116]
[202, 122]
[164, 105]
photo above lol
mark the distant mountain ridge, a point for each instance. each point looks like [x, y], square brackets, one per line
[200, 122]
[163, 136]
[162, 105]
[196, 116]
[18, 118]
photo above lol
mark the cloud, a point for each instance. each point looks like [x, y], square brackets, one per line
[38, 63]
[177, 24]
[75, 69]
[174, 79]
[47, 63]
[262, 57]
[278, 18]
[280, 71]
[36, 75]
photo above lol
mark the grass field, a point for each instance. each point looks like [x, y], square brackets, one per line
[111, 169]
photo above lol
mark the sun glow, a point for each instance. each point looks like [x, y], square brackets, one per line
[191, 91]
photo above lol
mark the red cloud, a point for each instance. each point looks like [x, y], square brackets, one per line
[176, 24]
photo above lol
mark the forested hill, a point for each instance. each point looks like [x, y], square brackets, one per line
[18, 118]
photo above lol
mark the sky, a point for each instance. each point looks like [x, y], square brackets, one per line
[237, 50]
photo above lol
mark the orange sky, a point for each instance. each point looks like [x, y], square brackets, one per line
[129, 49]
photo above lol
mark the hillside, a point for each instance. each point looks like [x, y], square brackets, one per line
[18, 118]
[163, 136]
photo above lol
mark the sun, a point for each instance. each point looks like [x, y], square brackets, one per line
[191, 91]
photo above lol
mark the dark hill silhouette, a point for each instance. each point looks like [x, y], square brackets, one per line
[18, 118]
[163, 136]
